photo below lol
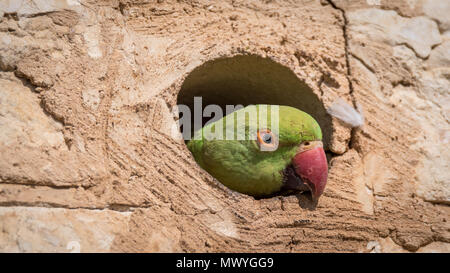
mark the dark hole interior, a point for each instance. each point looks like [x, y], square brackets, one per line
[251, 79]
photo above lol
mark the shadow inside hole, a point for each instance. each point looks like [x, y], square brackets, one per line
[251, 79]
[306, 201]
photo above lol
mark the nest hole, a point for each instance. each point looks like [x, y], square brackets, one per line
[251, 79]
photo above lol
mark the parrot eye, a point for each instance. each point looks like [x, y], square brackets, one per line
[266, 139]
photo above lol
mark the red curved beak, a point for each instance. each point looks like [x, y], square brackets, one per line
[312, 167]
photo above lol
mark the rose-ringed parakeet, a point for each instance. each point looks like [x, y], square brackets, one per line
[290, 157]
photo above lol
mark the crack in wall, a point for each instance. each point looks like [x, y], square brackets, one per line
[347, 59]
[371, 69]
[49, 205]
[32, 183]
[349, 71]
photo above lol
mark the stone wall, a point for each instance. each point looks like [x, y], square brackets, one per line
[88, 161]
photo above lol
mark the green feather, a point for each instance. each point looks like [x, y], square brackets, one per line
[240, 164]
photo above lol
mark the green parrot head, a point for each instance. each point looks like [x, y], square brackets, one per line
[262, 158]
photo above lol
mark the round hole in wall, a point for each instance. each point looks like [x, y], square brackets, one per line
[250, 79]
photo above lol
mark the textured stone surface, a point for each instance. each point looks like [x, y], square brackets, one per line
[439, 11]
[419, 33]
[60, 230]
[33, 143]
[90, 161]
[33, 7]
